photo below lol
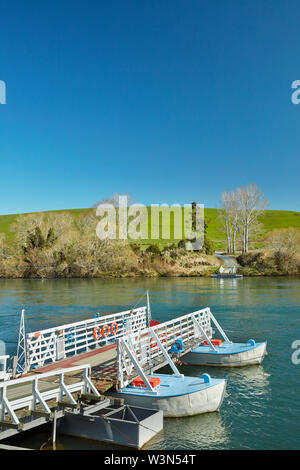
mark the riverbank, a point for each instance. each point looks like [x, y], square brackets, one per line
[121, 260]
[118, 261]
[58, 246]
[269, 263]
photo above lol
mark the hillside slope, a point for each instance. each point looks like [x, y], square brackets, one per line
[272, 219]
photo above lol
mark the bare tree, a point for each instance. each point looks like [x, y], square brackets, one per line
[60, 223]
[229, 216]
[251, 205]
[284, 240]
[285, 246]
[240, 213]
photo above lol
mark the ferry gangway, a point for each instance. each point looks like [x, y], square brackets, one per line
[150, 349]
[28, 402]
[40, 348]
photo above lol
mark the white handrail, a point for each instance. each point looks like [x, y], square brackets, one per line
[151, 346]
[53, 344]
[52, 373]
[9, 406]
[90, 321]
[3, 374]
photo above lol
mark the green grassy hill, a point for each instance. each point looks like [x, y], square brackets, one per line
[270, 220]
[6, 221]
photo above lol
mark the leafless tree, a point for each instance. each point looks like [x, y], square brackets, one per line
[251, 205]
[229, 217]
[285, 247]
[285, 239]
[61, 223]
[240, 213]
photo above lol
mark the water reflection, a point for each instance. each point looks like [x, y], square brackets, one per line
[195, 432]
[249, 385]
[253, 376]
[225, 283]
[2, 348]
[262, 409]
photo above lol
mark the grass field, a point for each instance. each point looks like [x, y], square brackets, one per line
[272, 219]
[6, 221]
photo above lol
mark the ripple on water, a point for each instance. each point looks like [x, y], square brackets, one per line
[262, 409]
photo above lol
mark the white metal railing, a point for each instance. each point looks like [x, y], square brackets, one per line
[53, 344]
[26, 393]
[3, 374]
[151, 345]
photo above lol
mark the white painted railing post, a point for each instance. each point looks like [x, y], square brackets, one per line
[2, 392]
[6, 406]
[37, 396]
[119, 364]
[88, 384]
[219, 327]
[165, 354]
[64, 390]
[3, 374]
[197, 325]
[148, 310]
[137, 365]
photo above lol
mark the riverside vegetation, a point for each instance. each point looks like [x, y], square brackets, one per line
[241, 216]
[281, 255]
[59, 245]
[65, 245]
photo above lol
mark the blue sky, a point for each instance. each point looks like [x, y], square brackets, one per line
[169, 101]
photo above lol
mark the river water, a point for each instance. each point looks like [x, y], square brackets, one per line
[262, 406]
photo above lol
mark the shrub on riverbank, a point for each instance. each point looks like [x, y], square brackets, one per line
[50, 245]
[270, 262]
[56, 245]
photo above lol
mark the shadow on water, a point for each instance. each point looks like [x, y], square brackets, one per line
[205, 431]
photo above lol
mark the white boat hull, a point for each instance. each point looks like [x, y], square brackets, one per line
[190, 404]
[238, 359]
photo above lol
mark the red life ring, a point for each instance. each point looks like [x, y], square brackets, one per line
[114, 328]
[105, 331]
[95, 330]
[152, 345]
[162, 338]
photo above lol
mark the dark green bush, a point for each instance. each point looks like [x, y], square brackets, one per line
[153, 249]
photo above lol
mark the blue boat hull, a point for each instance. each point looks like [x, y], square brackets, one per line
[227, 355]
[178, 397]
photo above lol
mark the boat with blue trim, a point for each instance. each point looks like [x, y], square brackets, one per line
[227, 354]
[176, 395]
[218, 352]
